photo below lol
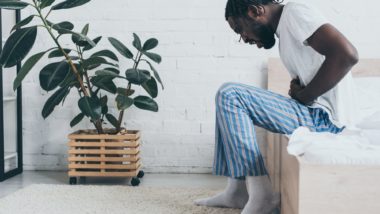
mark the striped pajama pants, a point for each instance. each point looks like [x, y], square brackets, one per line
[238, 108]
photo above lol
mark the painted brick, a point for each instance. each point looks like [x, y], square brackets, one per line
[199, 53]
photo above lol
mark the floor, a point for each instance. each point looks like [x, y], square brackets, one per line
[152, 180]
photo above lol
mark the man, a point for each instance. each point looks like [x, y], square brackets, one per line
[318, 58]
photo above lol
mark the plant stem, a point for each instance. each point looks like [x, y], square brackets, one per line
[80, 53]
[48, 14]
[68, 58]
[98, 123]
[121, 113]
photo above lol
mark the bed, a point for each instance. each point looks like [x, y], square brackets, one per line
[308, 188]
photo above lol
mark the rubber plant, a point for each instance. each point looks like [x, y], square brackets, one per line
[91, 75]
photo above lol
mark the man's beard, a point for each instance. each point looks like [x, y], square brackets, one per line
[265, 34]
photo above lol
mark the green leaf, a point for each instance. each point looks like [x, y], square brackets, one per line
[108, 73]
[26, 67]
[150, 44]
[105, 83]
[82, 38]
[153, 56]
[125, 92]
[53, 74]
[12, 5]
[150, 86]
[146, 103]
[69, 4]
[46, 3]
[77, 119]
[23, 22]
[53, 101]
[104, 109]
[123, 102]
[106, 53]
[90, 107]
[104, 100]
[94, 62]
[95, 41]
[62, 25]
[79, 39]
[85, 29]
[123, 50]
[112, 119]
[116, 71]
[136, 42]
[156, 75]
[18, 46]
[70, 80]
[137, 76]
[58, 53]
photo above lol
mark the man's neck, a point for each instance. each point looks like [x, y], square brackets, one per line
[276, 11]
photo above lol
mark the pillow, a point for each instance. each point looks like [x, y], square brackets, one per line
[370, 122]
[368, 99]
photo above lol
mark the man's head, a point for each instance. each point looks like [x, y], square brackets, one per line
[250, 20]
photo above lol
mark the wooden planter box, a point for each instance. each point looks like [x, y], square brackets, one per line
[105, 155]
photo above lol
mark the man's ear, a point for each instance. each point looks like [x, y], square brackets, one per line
[255, 11]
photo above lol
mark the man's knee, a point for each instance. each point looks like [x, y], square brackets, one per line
[225, 91]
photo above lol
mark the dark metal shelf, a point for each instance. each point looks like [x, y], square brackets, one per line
[18, 98]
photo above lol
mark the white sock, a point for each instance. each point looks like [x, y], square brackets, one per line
[261, 198]
[234, 196]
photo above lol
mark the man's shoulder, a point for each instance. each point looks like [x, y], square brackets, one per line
[299, 7]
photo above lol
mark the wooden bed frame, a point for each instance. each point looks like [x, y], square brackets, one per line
[314, 188]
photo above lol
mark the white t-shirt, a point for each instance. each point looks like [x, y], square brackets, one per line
[299, 22]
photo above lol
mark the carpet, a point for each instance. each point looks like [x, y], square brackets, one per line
[57, 199]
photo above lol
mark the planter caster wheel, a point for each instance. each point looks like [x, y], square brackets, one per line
[140, 174]
[73, 181]
[135, 181]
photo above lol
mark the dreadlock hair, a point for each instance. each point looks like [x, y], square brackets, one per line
[239, 8]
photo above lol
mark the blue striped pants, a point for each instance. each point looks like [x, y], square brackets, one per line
[238, 108]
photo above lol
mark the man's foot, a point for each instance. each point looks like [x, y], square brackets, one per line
[261, 198]
[234, 196]
[265, 207]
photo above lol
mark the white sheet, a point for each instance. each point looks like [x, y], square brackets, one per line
[355, 147]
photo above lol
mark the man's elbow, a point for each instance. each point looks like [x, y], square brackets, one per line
[351, 56]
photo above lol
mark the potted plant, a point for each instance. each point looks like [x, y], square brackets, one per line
[100, 151]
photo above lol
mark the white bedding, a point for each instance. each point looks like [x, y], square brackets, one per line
[353, 147]
[360, 146]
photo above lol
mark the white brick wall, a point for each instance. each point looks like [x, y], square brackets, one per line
[199, 53]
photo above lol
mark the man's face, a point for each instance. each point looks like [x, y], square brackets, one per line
[253, 32]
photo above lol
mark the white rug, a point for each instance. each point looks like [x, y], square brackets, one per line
[57, 199]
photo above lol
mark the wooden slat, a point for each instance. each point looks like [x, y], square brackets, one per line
[105, 166]
[289, 181]
[104, 144]
[105, 159]
[74, 136]
[106, 152]
[273, 160]
[105, 174]
[101, 156]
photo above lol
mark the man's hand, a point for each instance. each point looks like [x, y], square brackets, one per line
[295, 89]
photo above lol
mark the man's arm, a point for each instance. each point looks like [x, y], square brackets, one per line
[340, 57]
